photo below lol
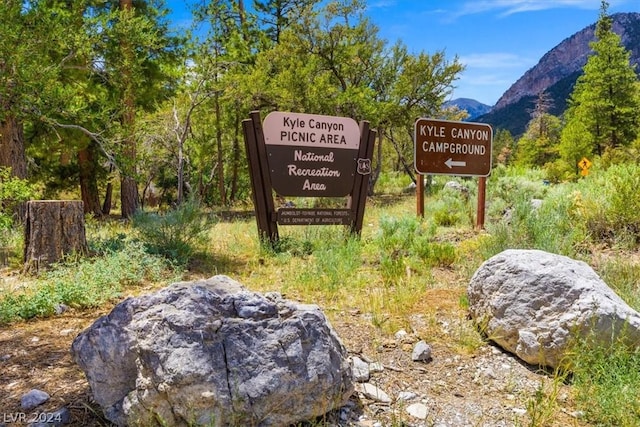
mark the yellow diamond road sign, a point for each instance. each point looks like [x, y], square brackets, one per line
[584, 163]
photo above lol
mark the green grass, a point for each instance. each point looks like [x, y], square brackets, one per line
[397, 267]
[84, 283]
[606, 381]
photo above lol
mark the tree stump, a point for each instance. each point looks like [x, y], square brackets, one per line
[53, 228]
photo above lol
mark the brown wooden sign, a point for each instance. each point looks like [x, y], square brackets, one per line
[297, 154]
[311, 155]
[444, 147]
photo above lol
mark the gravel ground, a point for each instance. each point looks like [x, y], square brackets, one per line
[480, 386]
[486, 387]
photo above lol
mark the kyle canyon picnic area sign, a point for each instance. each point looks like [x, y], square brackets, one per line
[308, 155]
[311, 155]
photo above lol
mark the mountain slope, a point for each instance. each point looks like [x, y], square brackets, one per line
[473, 107]
[556, 73]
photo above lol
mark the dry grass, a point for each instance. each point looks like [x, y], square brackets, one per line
[366, 309]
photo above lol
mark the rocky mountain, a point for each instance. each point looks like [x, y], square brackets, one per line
[473, 107]
[556, 73]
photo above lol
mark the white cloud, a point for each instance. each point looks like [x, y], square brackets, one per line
[490, 80]
[494, 60]
[381, 4]
[510, 7]
[485, 87]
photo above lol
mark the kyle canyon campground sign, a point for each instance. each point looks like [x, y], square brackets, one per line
[445, 147]
[311, 155]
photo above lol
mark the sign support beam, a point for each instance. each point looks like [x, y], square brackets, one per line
[482, 193]
[444, 147]
[420, 195]
[260, 179]
[358, 197]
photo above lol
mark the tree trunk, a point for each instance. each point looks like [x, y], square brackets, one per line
[180, 171]
[375, 174]
[108, 195]
[12, 152]
[220, 154]
[128, 185]
[53, 228]
[128, 196]
[236, 160]
[88, 180]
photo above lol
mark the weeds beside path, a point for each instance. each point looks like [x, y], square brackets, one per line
[403, 273]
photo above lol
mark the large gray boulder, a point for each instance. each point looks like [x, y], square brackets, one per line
[212, 353]
[533, 303]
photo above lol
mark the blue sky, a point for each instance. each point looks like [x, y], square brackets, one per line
[496, 40]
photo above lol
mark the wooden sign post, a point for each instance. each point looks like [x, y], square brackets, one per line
[444, 147]
[306, 155]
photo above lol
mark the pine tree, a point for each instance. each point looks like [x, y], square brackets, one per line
[604, 100]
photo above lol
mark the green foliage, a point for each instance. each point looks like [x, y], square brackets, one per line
[624, 278]
[83, 283]
[574, 144]
[603, 108]
[11, 244]
[435, 254]
[601, 209]
[12, 192]
[451, 207]
[560, 171]
[406, 241]
[176, 234]
[334, 263]
[551, 226]
[542, 406]
[290, 245]
[391, 182]
[503, 146]
[609, 204]
[507, 185]
[394, 242]
[85, 90]
[606, 378]
[538, 145]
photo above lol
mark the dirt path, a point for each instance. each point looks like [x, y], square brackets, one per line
[486, 388]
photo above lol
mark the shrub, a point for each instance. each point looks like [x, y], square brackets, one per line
[83, 283]
[550, 227]
[606, 380]
[175, 234]
[395, 240]
[436, 254]
[449, 211]
[13, 191]
[608, 204]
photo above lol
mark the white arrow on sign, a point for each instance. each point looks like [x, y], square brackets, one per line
[451, 163]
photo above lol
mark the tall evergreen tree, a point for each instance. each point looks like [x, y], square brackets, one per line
[276, 15]
[137, 53]
[34, 48]
[539, 144]
[605, 99]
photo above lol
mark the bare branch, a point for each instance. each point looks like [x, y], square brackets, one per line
[96, 137]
